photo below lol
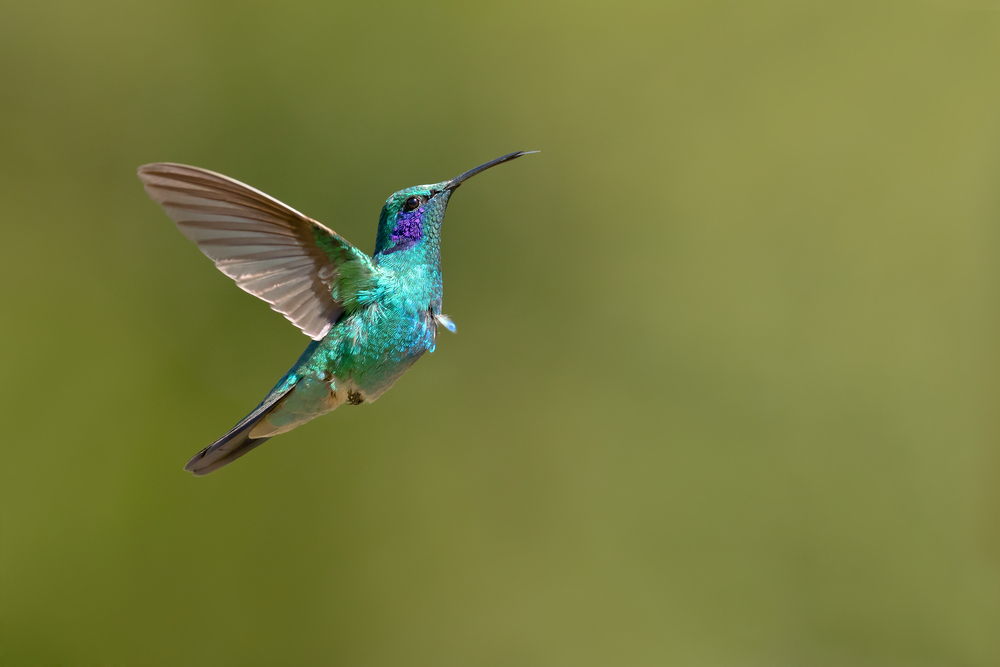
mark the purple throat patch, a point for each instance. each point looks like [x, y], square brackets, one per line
[408, 229]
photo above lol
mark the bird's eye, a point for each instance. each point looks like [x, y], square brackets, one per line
[411, 203]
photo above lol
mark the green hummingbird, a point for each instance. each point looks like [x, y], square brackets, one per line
[370, 318]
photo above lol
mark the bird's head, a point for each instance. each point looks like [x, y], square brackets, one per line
[414, 215]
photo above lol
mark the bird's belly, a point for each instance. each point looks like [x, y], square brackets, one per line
[371, 358]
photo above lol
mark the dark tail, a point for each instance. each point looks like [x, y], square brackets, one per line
[237, 442]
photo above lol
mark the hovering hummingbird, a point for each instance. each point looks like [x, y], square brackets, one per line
[370, 318]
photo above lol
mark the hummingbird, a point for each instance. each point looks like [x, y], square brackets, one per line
[369, 318]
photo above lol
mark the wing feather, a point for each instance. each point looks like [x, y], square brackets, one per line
[271, 250]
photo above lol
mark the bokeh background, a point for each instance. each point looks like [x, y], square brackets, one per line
[726, 381]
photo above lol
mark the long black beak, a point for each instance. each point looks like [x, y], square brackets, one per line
[458, 180]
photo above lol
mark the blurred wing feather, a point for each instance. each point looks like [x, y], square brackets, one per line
[271, 250]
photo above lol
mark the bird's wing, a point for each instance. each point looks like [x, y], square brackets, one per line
[271, 250]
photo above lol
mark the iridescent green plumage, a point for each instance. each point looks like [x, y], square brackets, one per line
[370, 318]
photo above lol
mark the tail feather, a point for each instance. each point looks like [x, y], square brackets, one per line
[237, 441]
[204, 462]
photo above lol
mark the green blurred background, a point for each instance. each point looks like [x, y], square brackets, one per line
[726, 380]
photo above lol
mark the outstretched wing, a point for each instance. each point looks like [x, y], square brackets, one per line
[271, 250]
